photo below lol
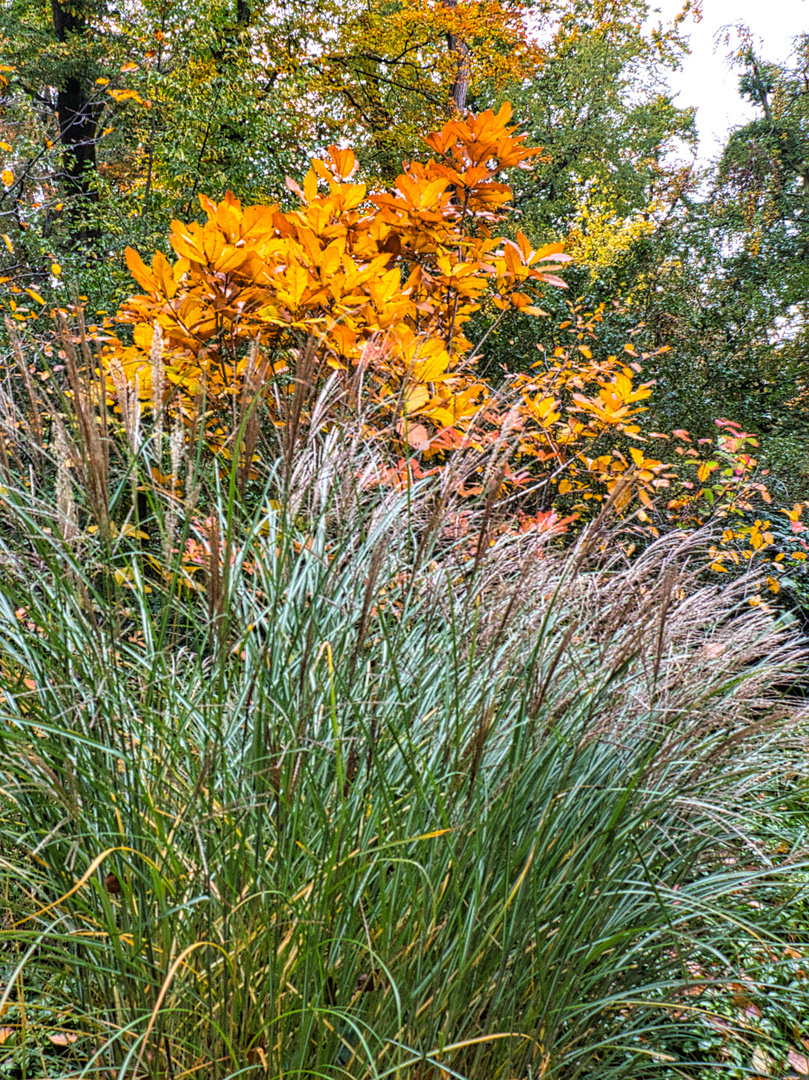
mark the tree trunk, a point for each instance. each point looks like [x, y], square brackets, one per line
[77, 119]
[460, 84]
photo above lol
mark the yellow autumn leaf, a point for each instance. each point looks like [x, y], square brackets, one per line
[545, 406]
[705, 470]
[133, 531]
[8, 177]
[297, 282]
[416, 398]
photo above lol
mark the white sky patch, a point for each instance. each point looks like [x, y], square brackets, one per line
[707, 81]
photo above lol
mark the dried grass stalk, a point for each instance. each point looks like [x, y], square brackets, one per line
[176, 447]
[128, 395]
[158, 371]
[34, 419]
[90, 416]
[65, 453]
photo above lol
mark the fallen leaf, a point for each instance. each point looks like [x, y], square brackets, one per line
[799, 1062]
[418, 436]
[762, 1063]
[63, 1038]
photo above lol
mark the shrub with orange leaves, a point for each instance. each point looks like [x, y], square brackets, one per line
[379, 287]
[566, 411]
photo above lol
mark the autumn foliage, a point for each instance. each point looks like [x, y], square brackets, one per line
[376, 289]
[380, 287]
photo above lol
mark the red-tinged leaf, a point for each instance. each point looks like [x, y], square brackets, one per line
[799, 1062]
[450, 439]
[295, 188]
[557, 261]
[63, 1038]
[547, 522]
[417, 436]
[552, 279]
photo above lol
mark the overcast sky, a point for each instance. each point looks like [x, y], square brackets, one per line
[706, 80]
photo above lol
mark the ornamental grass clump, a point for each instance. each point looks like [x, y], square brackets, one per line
[310, 774]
